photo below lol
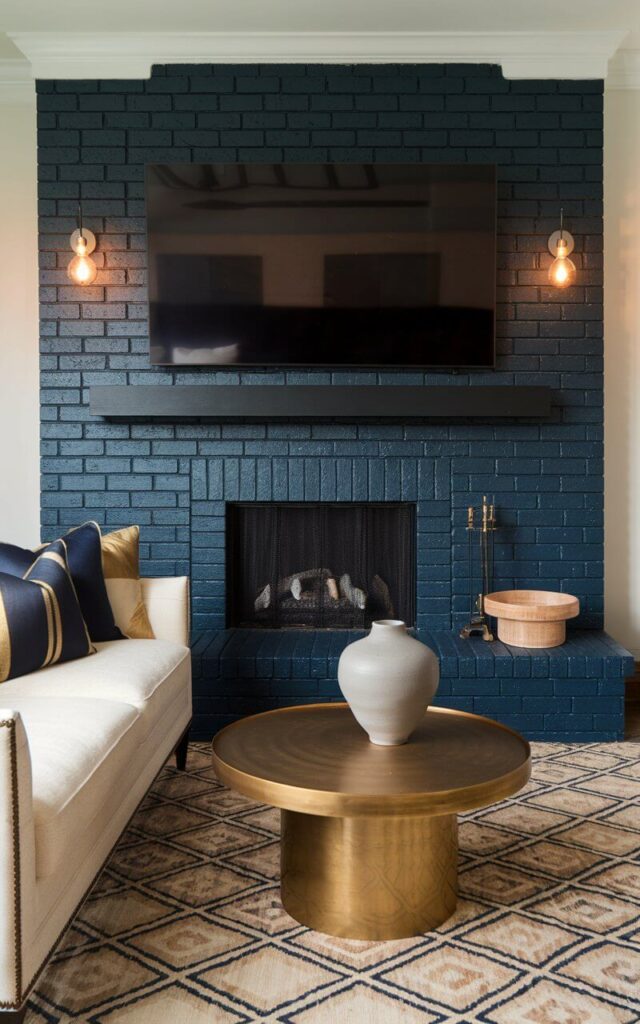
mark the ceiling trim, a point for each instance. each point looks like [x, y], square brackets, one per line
[16, 82]
[568, 55]
[624, 70]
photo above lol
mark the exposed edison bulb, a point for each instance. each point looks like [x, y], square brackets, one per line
[82, 269]
[562, 272]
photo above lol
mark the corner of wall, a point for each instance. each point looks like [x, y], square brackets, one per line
[19, 426]
[622, 365]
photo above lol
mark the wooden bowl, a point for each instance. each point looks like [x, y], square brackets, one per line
[531, 618]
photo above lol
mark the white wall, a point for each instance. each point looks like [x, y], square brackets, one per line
[19, 446]
[622, 366]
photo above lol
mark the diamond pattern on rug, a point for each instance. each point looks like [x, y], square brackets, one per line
[198, 886]
[571, 801]
[520, 938]
[261, 910]
[176, 787]
[627, 817]
[360, 1004]
[189, 941]
[595, 759]
[146, 860]
[223, 801]
[119, 912]
[588, 910]
[450, 975]
[81, 982]
[553, 859]
[612, 785]
[267, 979]
[623, 879]
[615, 969]
[165, 818]
[358, 954]
[267, 818]
[500, 884]
[185, 924]
[221, 837]
[174, 1005]
[265, 860]
[605, 838]
[523, 817]
[546, 1002]
[479, 840]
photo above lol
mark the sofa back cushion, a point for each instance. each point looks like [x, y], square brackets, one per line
[40, 618]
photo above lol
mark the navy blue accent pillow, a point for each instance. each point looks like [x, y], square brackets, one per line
[84, 559]
[14, 560]
[40, 619]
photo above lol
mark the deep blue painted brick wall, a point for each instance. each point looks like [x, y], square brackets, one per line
[173, 479]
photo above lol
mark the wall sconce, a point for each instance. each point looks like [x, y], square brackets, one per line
[562, 271]
[82, 269]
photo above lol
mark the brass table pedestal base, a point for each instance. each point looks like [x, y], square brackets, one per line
[369, 877]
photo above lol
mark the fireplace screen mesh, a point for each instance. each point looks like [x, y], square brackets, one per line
[320, 565]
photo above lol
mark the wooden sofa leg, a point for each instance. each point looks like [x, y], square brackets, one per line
[13, 1016]
[181, 750]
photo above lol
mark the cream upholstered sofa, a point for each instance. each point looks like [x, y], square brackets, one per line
[80, 743]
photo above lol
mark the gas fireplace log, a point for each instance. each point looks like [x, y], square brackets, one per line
[299, 582]
[354, 595]
[381, 603]
[332, 589]
[263, 600]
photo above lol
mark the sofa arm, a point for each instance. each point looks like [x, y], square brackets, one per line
[17, 860]
[167, 604]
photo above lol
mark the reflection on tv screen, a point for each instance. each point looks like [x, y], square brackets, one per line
[262, 264]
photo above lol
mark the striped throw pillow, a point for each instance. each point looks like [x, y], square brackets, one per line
[40, 618]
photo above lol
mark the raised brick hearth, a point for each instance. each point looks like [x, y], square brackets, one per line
[574, 692]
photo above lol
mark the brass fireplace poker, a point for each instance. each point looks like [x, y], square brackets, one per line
[483, 527]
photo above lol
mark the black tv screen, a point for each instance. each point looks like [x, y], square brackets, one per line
[322, 264]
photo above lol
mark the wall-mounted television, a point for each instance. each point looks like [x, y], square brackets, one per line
[322, 264]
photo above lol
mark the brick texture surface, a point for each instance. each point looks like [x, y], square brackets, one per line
[174, 478]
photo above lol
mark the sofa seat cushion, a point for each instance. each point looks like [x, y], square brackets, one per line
[80, 750]
[147, 674]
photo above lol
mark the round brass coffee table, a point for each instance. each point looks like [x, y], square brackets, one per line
[369, 834]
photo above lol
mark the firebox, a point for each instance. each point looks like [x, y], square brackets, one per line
[320, 565]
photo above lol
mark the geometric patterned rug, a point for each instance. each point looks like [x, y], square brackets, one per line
[185, 924]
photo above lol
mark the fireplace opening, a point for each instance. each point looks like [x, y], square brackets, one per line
[320, 565]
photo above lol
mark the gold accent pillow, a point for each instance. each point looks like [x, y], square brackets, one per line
[121, 565]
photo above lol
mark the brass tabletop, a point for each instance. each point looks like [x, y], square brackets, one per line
[317, 760]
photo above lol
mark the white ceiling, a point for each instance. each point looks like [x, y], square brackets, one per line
[321, 16]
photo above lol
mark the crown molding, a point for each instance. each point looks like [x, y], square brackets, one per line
[624, 70]
[16, 82]
[565, 55]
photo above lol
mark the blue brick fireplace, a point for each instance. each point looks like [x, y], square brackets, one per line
[175, 477]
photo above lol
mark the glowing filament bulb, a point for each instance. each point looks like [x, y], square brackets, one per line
[82, 269]
[562, 271]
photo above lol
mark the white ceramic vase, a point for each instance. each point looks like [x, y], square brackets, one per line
[389, 679]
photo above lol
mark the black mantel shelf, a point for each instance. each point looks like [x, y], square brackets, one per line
[320, 402]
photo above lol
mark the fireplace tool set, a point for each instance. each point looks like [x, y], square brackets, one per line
[481, 525]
